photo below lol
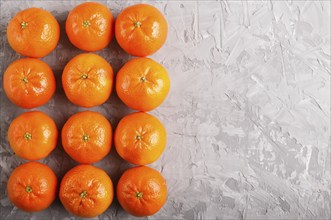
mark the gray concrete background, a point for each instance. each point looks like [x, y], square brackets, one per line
[248, 114]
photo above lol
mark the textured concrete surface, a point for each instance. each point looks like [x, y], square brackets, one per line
[248, 114]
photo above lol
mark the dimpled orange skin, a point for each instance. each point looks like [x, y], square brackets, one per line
[141, 30]
[142, 84]
[140, 138]
[90, 26]
[33, 32]
[87, 80]
[141, 191]
[86, 191]
[32, 135]
[29, 83]
[32, 187]
[87, 137]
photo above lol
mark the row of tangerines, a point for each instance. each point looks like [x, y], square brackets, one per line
[139, 138]
[87, 79]
[140, 30]
[86, 190]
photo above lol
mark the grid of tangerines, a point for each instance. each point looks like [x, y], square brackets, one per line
[140, 138]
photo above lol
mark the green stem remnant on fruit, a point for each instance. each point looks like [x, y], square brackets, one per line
[24, 79]
[83, 194]
[85, 137]
[139, 137]
[24, 24]
[137, 24]
[143, 79]
[27, 136]
[86, 23]
[139, 195]
[28, 189]
[84, 76]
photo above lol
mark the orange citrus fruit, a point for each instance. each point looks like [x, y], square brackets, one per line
[86, 191]
[90, 26]
[29, 83]
[87, 137]
[32, 187]
[32, 135]
[33, 32]
[87, 80]
[140, 138]
[142, 84]
[141, 30]
[142, 191]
